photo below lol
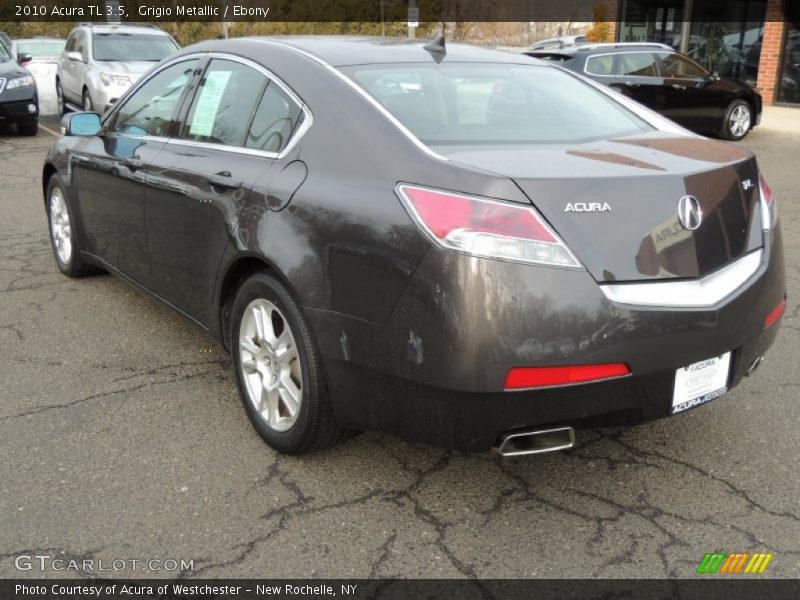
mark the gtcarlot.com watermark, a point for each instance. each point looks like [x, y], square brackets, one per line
[47, 562]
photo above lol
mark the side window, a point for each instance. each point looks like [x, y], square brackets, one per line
[276, 118]
[224, 103]
[150, 110]
[600, 65]
[675, 65]
[80, 45]
[71, 42]
[638, 64]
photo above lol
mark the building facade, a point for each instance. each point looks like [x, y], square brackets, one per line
[754, 40]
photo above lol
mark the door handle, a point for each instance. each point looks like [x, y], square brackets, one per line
[678, 86]
[632, 84]
[223, 180]
[133, 163]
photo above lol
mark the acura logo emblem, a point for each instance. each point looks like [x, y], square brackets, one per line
[689, 213]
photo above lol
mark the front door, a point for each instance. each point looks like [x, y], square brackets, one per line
[110, 169]
[692, 98]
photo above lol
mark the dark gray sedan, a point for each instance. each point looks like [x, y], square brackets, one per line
[464, 247]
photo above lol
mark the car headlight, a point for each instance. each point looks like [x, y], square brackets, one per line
[19, 82]
[112, 79]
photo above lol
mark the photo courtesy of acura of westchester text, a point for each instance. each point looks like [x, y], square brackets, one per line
[399, 298]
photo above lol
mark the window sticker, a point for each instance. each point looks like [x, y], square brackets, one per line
[205, 113]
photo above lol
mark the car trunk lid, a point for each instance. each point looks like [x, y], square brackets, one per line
[615, 202]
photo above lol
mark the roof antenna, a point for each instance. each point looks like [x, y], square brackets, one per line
[436, 48]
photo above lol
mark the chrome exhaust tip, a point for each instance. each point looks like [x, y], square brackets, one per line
[536, 441]
[754, 365]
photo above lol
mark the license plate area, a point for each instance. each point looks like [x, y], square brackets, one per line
[700, 382]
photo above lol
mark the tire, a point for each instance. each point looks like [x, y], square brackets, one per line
[279, 375]
[737, 122]
[88, 105]
[30, 129]
[63, 236]
[62, 104]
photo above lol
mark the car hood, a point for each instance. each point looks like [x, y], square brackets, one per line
[133, 68]
[615, 201]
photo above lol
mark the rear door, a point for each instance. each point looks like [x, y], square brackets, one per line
[201, 181]
[638, 77]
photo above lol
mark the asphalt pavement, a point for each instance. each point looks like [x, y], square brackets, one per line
[122, 437]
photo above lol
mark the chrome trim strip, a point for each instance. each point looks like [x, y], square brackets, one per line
[362, 92]
[234, 149]
[301, 131]
[699, 293]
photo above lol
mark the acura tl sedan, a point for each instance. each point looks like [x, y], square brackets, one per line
[672, 84]
[460, 246]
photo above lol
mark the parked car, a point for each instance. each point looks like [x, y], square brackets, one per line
[100, 62]
[39, 50]
[668, 82]
[41, 59]
[425, 240]
[558, 42]
[5, 41]
[19, 98]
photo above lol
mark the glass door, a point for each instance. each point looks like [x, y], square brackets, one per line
[652, 21]
[789, 84]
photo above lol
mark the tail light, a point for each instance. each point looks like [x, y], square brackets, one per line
[769, 210]
[534, 377]
[484, 227]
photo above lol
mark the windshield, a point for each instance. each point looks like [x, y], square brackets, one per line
[3, 53]
[41, 49]
[494, 104]
[127, 47]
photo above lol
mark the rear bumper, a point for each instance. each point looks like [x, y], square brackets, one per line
[434, 371]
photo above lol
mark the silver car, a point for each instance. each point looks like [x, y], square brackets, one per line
[100, 62]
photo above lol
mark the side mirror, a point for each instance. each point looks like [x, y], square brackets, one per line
[75, 56]
[23, 59]
[81, 124]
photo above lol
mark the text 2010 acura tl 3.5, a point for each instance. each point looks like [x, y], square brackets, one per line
[455, 245]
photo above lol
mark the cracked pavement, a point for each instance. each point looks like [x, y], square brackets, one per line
[122, 436]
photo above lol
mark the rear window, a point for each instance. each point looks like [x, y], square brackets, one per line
[132, 47]
[638, 64]
[601, 64]
[491, 104]
[40, 49]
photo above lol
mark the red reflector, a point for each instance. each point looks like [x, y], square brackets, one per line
[531, 377]
[775, 314]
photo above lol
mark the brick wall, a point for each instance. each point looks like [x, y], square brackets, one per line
[771, 50]
[612, 16]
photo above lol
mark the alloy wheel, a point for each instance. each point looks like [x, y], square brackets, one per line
[60, 228]
[270, 365]
[739, 120]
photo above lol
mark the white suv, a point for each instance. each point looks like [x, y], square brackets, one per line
[100, 62]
